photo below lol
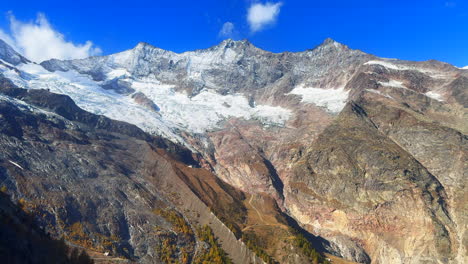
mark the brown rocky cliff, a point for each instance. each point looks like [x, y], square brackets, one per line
[355, 182]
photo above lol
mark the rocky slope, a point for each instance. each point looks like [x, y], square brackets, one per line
[368, 154]
[22, 241]
[95, 185]
[106, 186]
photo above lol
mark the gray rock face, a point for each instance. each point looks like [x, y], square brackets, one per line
[140, 98]
[348, 249]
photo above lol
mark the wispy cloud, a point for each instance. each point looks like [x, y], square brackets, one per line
[38, 41]
[228, 30]
[261, 15]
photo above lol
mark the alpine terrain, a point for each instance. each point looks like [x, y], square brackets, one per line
[234, 154]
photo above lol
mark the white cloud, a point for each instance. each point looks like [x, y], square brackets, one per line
[227, 31]
[261, 15]
[38, 41]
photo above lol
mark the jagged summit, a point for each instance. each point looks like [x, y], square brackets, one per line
[244, 44]
[330, 43]
[238, 42]
[237, 45]
[143, 44]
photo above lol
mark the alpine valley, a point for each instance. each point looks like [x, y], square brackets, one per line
[234, 154]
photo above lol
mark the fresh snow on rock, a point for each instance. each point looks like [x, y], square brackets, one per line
[334, 100]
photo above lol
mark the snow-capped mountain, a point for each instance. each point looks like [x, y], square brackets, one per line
[354, 147]
[165, 92]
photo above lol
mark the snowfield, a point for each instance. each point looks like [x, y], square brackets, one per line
[334, 100]
[178, 112]
[205, 110]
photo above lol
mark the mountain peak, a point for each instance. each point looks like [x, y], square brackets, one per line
[332, 42]
[230, 43]
[143, 44]
[241, 46]
[239, 42]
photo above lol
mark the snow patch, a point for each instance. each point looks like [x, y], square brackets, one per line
[334, 100]
[393, 83]
[393, 66]
[435, 96]
[117, 73]
[379, 93]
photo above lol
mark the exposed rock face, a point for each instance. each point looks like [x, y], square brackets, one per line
[140, 98]
[347, 191]
[367, 153]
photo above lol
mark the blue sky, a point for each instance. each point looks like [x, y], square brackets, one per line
[413, 30]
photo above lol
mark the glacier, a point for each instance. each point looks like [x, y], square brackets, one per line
[178, 111]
